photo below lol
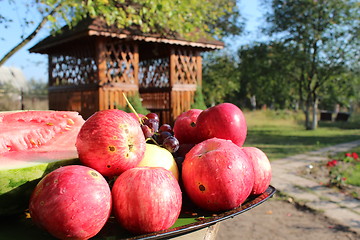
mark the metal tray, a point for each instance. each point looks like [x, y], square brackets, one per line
[190, 219]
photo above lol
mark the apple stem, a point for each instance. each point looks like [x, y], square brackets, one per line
[152, 139]
[132, 108]
[140, 119]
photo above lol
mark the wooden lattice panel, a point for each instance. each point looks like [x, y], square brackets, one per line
[185, 67]
[86, 102]
[75, 67]
[158, 102]
[180, 102]
[89, 102]
[154, 73]
[112, 97]
[121, 62]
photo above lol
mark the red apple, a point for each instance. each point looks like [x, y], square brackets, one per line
[185, 126]
[217, 175]
[262, 169]
[225, 121]
[111, 142]
[71, 202]
[146, 199]
[133, 115]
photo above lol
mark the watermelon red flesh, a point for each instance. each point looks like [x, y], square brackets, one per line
[61, 147]
[21, 170]
[32, 129]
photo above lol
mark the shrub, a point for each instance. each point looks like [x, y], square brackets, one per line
[135, 101]
[199, 102]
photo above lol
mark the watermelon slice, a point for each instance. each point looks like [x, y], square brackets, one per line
[33, 143]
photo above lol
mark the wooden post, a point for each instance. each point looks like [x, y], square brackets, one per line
[136, 64]
[172, 75]
[199, 68]
[50, 79]
[101, 70]
[22, 99]
[50, 83]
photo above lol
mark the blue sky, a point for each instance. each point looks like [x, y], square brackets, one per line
[35, 65]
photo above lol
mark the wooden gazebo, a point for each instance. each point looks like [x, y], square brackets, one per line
[92, 64]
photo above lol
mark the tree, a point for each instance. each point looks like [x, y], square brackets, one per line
[37, 87]
[9, 97]
[342, 90]
[220, 77]
[183, 17]
[264, 67]
[326, 33]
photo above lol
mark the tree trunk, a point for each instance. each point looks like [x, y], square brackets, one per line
[300, 89]
[307, 111]
[307, 114]
[253, 102]
[314, 124]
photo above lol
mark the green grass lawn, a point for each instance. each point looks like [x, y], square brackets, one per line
[282, 133]
[352, 176]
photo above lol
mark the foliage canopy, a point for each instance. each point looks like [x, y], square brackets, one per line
[184, 17]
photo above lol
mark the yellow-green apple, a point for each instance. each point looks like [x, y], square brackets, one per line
[225, 121]
[217, 175]
[262, 169]
[111, 142]
[156, 156]
[185, 126]
[146, 199]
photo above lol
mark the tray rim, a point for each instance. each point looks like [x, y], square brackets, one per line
[188, 228]
[180, 230]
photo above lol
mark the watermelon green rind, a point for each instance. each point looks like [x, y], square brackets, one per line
[39, 163]
[27, 168]
[16, 185]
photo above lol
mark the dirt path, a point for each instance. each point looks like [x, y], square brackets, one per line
[279, 219]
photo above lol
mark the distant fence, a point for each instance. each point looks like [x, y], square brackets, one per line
[16, 101]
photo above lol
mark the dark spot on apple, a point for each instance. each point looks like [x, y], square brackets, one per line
[193, 124]
[126, 130]
[108, 166]
[94, 174]
[201, 187]
[112, 149]
[130, 147]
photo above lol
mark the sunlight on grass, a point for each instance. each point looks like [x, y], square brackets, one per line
[282, 133]
[353, 175]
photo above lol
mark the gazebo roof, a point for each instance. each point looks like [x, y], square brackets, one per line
[98, 27]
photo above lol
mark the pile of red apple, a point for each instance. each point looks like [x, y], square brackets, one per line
[217, 173]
